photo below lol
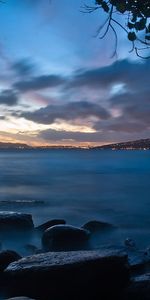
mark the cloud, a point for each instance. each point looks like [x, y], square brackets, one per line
[8, 97]
[132, 101]
[68, 111]
[122, 71]
[134, 107]
[23, 67]
[99, 137]
[122, 124]
[38, 83]
[52, 135]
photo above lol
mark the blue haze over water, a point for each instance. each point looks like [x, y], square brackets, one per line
[80, 185]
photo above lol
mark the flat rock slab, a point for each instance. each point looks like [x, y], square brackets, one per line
[69, 275]
[20, 298]
[15, 221]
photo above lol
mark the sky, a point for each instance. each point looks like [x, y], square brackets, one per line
[60, 85]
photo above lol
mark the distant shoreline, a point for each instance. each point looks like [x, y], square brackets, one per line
[143, 144]
[71, 148]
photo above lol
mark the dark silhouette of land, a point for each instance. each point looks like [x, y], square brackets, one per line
[142, 144]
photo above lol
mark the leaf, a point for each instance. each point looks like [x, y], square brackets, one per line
[140, 25]
[131, 36]
[121, 7]
[105, 7]
[130, 25]
[147, 37]
[99, 2]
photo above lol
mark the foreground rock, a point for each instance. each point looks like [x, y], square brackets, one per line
[48, 224]
[20, 298]
[138, 289]
[94, 226]
[69, 275]
[10, 221]
[6, 257]
[65, 237]
[138, 261]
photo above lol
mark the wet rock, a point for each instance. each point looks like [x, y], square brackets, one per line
[10, 221]
[69, 275]
[20, 298]
[138, 289]
[130, 243]
[147, 252]
[6, 257]
[48, 224]
[65, 237]
[94, 226]
[138, 261]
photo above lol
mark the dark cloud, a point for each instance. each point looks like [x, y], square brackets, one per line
[122, 71]
[54, 135]
[2, 118]
[129, 73]
[69, 111]
[135, 108]
[103, 136]
[8, 97]
[38, 83]
[23, 67]
[132, 102]
[122, 124]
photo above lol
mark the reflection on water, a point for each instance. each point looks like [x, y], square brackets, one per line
[80, 185]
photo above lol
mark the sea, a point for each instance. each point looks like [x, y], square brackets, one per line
[80, 185]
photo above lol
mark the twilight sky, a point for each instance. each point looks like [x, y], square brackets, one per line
[59, 83]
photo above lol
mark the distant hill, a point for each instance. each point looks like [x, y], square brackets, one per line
[143, 144]
[14, 146]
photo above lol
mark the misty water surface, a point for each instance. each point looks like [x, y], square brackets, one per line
[80, 185]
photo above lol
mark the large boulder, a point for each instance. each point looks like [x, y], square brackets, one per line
[10, 221]
[65, 237]
[94, 226]
[50, 223]
[6, 257]
[69, 275]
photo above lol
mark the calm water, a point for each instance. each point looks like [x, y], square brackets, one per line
[80, 185]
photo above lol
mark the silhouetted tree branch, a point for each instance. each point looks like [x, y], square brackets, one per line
[136, 25]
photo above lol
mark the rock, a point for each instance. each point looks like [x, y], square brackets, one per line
[138, 261]
[129, 243]
[138, 289]
[49, 224]
[20, 298]
[147, 252]
[94, 226]
[6, 257]
[10, 221]
[64, 237]
[69, 275]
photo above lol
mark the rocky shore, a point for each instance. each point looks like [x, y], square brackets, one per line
[65, 266]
